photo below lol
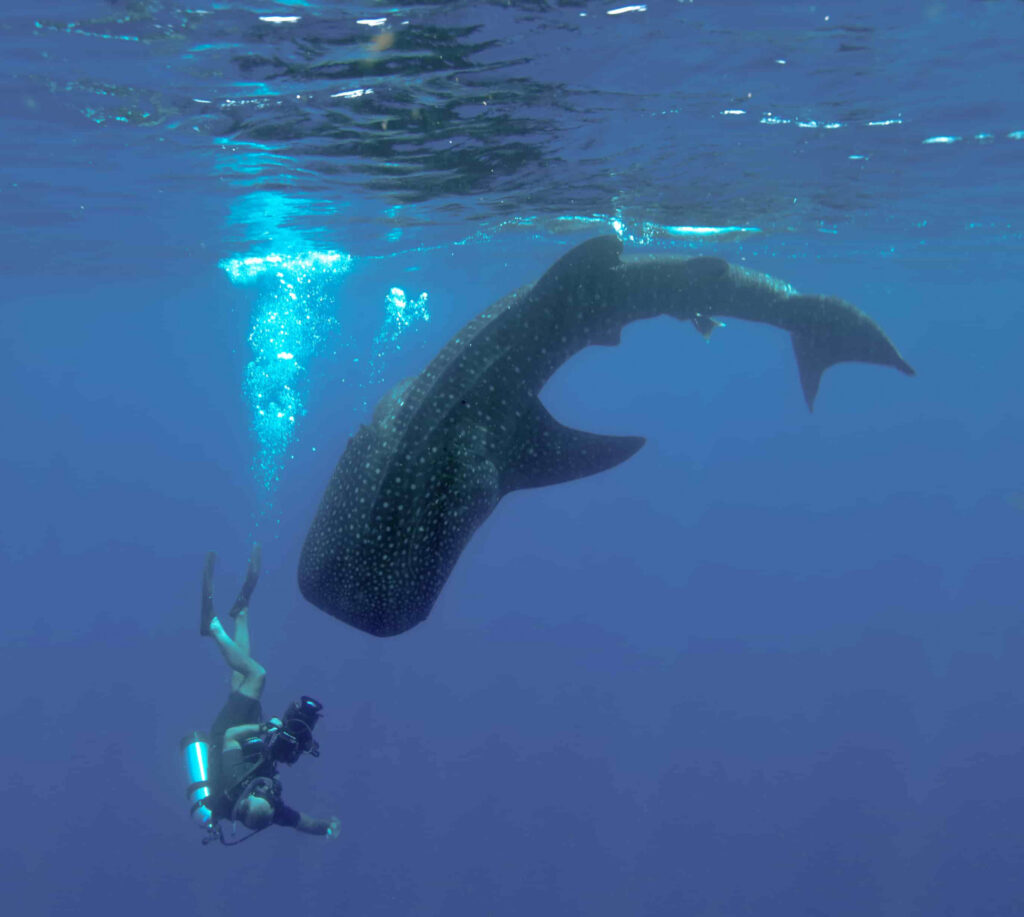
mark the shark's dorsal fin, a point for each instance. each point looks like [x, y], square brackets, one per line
[551, 453]
[589, 260]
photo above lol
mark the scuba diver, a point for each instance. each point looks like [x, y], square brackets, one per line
[233, 773]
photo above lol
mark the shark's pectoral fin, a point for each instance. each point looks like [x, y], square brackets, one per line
[551, 453]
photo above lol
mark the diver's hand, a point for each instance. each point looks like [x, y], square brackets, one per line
[271, 727]
[333, 827]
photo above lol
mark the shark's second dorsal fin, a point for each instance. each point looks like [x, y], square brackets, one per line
[548, 452]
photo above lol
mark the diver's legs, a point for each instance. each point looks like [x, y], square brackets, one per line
[242, 642]
[252, 674]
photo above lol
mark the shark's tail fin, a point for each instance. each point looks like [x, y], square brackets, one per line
[826, 331]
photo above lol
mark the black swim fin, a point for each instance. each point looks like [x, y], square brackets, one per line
[252, 575]
[206, 597]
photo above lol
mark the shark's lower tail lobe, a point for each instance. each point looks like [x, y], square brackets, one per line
[826, 330]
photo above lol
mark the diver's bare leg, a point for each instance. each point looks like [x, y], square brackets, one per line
[242, 642]
[252, 675]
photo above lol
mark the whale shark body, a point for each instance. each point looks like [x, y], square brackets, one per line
[444, 447]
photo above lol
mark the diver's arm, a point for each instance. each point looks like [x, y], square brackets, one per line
[321, 826]
[239, 734]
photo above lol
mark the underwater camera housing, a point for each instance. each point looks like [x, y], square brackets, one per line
[294, 738]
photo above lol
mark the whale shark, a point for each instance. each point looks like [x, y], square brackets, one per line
[444, 447]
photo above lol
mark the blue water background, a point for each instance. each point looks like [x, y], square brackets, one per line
[772, 665]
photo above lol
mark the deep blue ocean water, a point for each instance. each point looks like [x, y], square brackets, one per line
[772, 665]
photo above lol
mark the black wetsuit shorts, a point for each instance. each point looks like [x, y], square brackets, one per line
[238, 710]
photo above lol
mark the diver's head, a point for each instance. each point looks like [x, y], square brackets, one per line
[255, 812]
[255, 807]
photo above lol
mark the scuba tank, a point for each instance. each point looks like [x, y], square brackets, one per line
[195, 749]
